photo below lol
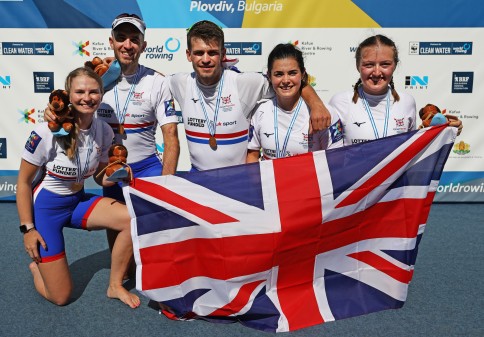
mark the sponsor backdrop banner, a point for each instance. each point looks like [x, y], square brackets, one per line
[440, 49]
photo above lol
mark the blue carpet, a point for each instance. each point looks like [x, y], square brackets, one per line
[445, 297]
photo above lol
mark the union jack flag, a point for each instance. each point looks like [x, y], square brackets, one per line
[286, 244]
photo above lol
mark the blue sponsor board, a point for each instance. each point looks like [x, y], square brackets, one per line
[462, 82]
[8, 185]
[43, 82]
[27, 48]
[243, 48]
[228, 13]
[457, 186]
[440, 48]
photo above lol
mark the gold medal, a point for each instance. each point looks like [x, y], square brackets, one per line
[212, 142]
[77, 186]
[120, 129]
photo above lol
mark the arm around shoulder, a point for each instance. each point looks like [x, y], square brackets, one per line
[320, 116]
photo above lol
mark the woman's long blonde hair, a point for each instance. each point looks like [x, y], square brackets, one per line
[69, 142]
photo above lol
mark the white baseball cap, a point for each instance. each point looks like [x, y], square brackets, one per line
[132, 19]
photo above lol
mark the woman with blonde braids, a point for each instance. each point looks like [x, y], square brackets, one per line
[58, 200]
[374, 109]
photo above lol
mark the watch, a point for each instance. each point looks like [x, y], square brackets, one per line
[25, 228]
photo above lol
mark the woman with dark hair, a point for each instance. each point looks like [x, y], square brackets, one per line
[279, 127]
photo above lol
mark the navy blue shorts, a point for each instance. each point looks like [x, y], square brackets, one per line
[53, 212]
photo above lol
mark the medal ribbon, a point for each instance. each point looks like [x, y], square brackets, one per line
[90, 141]
[279, 153]
[212, 124]
[370, 115]
[120, 115]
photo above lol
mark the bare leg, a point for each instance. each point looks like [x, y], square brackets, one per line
[111, 214]
[111, 236]
[52, 280]
[120, 259]
[38, 280]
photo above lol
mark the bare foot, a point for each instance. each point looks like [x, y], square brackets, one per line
[38, 280]
[34, 269]
[124, 296]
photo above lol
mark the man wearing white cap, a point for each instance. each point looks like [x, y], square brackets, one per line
[134, 105]
[136, 100]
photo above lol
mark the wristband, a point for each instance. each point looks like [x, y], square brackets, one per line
[25, 228]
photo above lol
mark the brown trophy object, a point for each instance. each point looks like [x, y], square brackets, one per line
[118, 155]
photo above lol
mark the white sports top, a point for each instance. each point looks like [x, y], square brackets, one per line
[150, 104]
[358, 124]
[239, 93]
[43, 149]
[299, 141]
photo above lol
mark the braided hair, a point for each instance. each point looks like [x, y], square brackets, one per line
[375, 41]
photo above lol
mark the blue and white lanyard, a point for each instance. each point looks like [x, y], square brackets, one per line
[122, 114]
[279, 153]
[81, 172]
[370, 115]
[212, 124]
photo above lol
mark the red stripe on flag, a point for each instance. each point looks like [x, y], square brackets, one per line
[228, 257]
[424, 214]
[224, 258]
[379, 177]
[399, 219]
[379, 263]
[205, 213]
[239, 301]
[300, 210]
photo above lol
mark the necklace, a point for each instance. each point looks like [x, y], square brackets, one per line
[82, 171]
[281, 153]
[370, 114]
[122, 114]
[212, 124]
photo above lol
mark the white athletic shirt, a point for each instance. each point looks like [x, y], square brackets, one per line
[239, 95]
[263, 133]
[150, 105]
[42, 148]
[357, 124]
